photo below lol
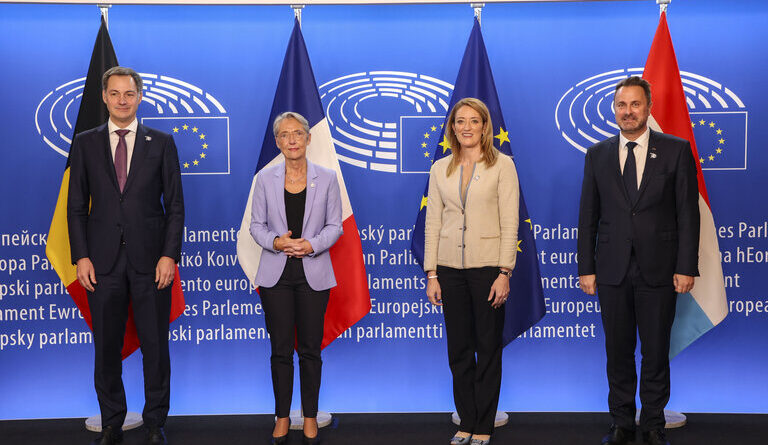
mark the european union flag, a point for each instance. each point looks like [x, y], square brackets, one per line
[525, 306]
[419, 136]
[202, 142]
[721, 139]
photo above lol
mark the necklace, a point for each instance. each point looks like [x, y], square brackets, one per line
[300, 178]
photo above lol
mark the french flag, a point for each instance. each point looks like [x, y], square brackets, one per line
[705, 305]
[297, 91]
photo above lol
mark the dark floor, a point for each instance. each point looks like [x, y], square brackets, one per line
[388, 429]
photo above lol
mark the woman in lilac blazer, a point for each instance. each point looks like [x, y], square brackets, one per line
[296, 218]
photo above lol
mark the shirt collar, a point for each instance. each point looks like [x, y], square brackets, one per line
[642, 141]
[132, 127]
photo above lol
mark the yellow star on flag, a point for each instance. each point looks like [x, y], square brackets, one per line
[518, 245]
[701, 160]
[711, 158]
[175, 129]
[195, 162]
[446, 144]
[503, 136]
[719, 131]
[433, 128]
[426, 135]
[186, 165]
[202, 136]
[202, 155]
[693, 124]
[423, 202]
[194, 129]
[711, 125]
[529, 223]
[423, 145]
[185, 126]
[426, 154]
[205, 146]
[721, 140]
[719, 150]
[702, 122]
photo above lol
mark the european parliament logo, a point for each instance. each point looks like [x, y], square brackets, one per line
[584, 116]
[195, 118]
[386, 121]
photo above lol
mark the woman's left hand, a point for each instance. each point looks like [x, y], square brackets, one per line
[499, 291]
[299, 248]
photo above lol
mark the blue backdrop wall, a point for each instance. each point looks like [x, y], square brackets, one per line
[230, 57]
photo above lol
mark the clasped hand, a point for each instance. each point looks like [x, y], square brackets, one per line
[296, 248]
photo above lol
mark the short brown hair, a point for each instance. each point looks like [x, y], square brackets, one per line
[636, 81]
[490, 153]
[122, 71]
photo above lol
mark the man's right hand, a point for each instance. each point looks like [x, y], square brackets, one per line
[588, 284]
[86, 275]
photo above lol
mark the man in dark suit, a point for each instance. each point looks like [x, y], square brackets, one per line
[637, 248]
[125, 214]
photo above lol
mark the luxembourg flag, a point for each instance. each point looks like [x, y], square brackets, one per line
[705, 305]
[297, 91]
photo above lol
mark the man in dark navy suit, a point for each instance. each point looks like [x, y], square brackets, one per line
[125, 214]
[637, 248]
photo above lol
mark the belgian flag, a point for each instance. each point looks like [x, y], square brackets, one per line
[93, 112]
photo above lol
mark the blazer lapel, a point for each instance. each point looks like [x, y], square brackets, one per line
[311, 191]
[650, 164]
[139, 152]
[109, 163]
[278, 188]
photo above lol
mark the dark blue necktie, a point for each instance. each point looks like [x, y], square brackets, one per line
[630, 172]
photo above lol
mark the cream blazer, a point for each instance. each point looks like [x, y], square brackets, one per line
[483, 231]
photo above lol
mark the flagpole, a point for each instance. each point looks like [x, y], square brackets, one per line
[673, 419]
[502, 418]
[663, 5]
[297, 415]
[132, 420]
[297, 12]
[478, 8]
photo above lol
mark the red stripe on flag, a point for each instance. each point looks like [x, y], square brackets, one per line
[131, 340]
[669, 108]
[350, 300]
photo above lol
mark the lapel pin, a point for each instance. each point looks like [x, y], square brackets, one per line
[653, 155]
[477, 178]
[312, 184]
[147, 138]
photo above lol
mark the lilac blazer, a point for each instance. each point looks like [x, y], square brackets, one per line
[322, 224]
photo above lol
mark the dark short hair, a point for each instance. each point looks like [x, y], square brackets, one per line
[636, 81]
[121, 71]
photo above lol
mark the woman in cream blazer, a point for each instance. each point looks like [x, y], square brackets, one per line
[469, 253]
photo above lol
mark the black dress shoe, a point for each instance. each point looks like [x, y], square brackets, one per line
[109, 436]
[655, 437]
[156, 436]
[311, 440]
[618, 436]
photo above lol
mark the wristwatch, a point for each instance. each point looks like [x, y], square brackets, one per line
[508, 273]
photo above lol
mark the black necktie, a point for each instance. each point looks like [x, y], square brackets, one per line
[630, 172]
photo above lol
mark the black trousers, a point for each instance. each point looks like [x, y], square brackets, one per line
[630, 308]
[109, 306]
[294, 315]
[473, 330]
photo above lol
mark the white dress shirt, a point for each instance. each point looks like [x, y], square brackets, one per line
[640, 150]
[130, 140]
